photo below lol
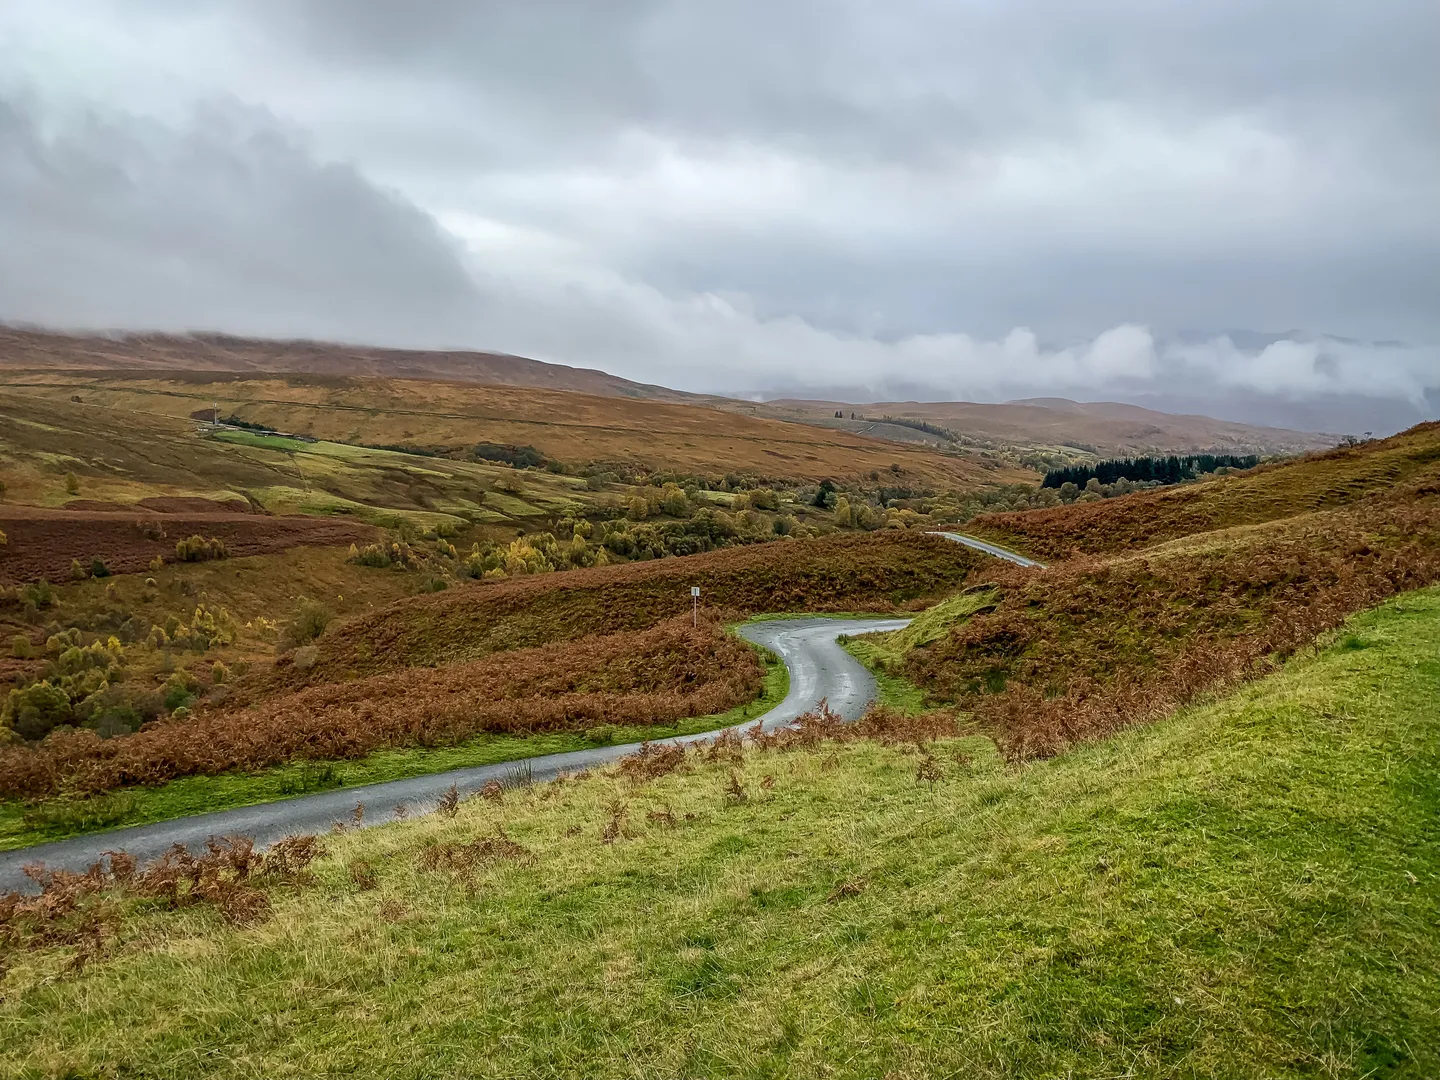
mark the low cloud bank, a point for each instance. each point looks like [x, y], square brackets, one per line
[233, 223]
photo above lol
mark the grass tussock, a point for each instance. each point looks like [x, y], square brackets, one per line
[463, 860]
[648, 677]
[838, 573]
[1090, 646]
[1321, 481]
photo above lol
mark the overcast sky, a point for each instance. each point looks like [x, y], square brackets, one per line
[979, 199]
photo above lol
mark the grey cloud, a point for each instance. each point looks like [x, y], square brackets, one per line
[229, 223]
[887, 79]
[1317, 118]
[744, 196]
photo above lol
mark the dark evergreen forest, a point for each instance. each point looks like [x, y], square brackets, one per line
[1164, 470]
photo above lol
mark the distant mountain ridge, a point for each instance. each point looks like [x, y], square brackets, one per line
[1105, 428]
[27, 347]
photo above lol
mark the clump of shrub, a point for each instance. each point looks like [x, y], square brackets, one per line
[538, 553]
[78, 687]
[674, 502]
[763, 499]
[519, 457]
[180, 691]
[32, 712]
[398, 553]
[38, 595]
[308, 623]
[119, 709]
[199, 548]
[856, 515]
[208, 627]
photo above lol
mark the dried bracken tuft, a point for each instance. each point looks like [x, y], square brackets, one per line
[727, 746]
[463, 860]
[362, 874]
[614, 827]
[392, 910]
[928, 771]
[80, 909]
[652, 761]
[846, 889]
[735, 789]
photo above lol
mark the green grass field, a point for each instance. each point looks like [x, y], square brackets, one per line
[1248, 888]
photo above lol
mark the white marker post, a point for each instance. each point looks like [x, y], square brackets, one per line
[695, 602]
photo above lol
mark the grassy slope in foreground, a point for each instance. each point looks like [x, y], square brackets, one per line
[24, 825]
[1248, 888]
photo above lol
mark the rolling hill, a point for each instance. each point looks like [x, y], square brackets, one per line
[575, 428]
[1097, 859]
[1339, 477]
[33, 348]
[1154, 598]
[1105, 428]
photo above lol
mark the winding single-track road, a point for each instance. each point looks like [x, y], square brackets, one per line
[991, 549]
[820, 670]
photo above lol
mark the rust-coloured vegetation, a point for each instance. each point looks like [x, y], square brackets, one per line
[1316, 482]
[463, 860]
[43, 543]
[838, 573]
[654, 676]
[83, 910]
[1092, 645]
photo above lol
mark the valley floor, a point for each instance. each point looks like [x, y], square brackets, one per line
[1248, 888]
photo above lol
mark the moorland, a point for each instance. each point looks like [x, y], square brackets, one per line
[1158, 807]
